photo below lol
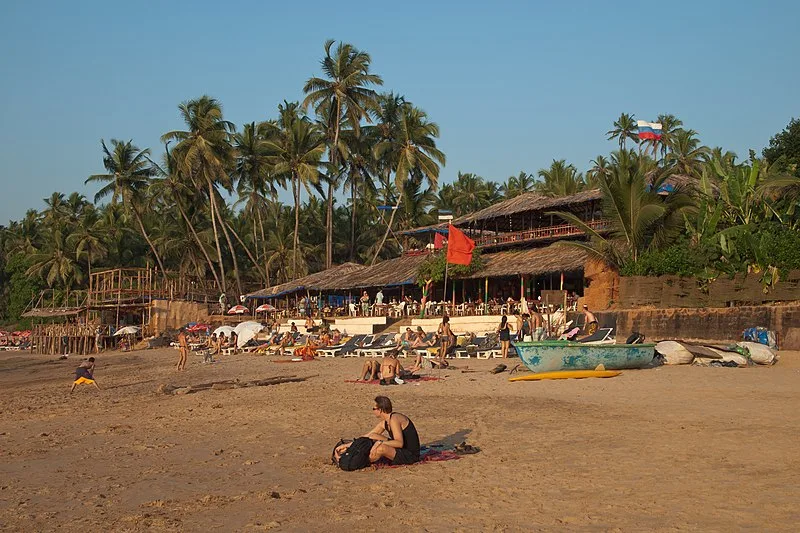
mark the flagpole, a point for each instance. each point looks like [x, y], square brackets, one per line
[446, 265]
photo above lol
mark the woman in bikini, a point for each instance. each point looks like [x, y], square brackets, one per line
[446, 337]
[505, 336]
[400, 443]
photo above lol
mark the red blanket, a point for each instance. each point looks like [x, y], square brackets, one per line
[427, 455]
[377, 381]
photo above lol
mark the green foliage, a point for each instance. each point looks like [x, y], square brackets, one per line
[433, 268]
[679, 259]
[22, 287]
[784, 148]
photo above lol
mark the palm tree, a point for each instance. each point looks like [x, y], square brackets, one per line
[641, 219]
[600, 169]
[88, 238]
[624, 129]
[299, 148]
[129, 173]
[669, 125]
[412, 147]
[561, 179]
[345, 94]
[516, 185]
[470, 193]
[360, 166]
[687, 154]
[56, 264]
[204, 154]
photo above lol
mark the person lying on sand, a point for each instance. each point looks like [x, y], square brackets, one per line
[400, 445]
[85, 374]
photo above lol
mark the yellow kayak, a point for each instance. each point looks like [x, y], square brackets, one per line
[568, 374]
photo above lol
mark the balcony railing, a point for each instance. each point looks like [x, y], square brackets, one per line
[541, 234]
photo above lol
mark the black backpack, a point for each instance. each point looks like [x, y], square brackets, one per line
[356, 456]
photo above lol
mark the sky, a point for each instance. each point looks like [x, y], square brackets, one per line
[512, 85]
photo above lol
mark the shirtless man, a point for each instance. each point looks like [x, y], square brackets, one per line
[183, 348]
[590, 321]
[85, 374]
[537, 324]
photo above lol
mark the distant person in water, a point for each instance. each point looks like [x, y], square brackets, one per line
[85, 374]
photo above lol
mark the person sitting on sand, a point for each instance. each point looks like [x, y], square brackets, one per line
[400, 445]
[369, 370]
[85, 374]
[293, 329]
[590, 321]
[390, 368]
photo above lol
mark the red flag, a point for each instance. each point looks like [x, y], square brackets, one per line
[459, 247]
[438, 241]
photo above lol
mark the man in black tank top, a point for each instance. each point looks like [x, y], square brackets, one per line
[395, 435]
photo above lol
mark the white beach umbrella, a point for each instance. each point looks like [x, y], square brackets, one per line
[246, 331]
[238, 310]
[127, 330]
[264, 308]
[227, 330]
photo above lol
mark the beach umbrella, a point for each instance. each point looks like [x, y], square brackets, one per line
[237, 310]
[23, 334]
[227, 330]
[127, 330]
[246, 331]
[195, 328]
[265, 308]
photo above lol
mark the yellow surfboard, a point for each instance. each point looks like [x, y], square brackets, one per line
[568, 374]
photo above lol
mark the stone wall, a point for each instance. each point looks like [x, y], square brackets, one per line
[674, 291]
[172, 314]
[602, 285]
[708, 324]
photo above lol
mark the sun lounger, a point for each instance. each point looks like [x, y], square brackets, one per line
[350, 344]
[353, 351]
[378, 347]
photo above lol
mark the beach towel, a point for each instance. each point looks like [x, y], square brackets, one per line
[406, 379]
[426, 455]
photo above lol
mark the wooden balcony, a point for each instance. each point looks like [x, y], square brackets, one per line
[548, 233]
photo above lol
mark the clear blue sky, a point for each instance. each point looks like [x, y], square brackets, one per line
[511, 84]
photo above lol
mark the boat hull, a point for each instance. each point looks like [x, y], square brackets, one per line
[550, 356]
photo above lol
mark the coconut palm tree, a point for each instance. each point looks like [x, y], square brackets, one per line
[343, 95]
[561, 179]
[88, 238]
[56, 263]
[358, 176]
[641, 219]
[298, 149]
[519, 184]
[471, 193]
[687, 154]
[670, 124]
[129, 173]
[204, 154]
[624, 129]
[412, 147]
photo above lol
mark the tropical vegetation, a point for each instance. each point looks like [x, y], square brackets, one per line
[361, 165]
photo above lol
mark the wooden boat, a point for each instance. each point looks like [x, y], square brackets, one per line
[550, 356]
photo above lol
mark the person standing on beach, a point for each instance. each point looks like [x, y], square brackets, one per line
[505, 336]
[85, 374]
[183, 349]
[590, 321]
[425, 290]
[520, 325]
[447, 339]
[98, 338]
[537, 326]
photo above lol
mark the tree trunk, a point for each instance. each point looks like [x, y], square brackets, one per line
[352, 218]
[329, 228]
[295, 239]
[249, 255]
[147, 238]
[199, 243]
[263, 244]
[216, 235]
[230, 248]
[388, 227]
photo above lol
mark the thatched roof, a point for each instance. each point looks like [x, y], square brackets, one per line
[53, 312]
[390, 273]
[532, 262]
[527, 202]
[317, 281]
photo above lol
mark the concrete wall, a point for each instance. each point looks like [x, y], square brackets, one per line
[708, 324]
[172, 314]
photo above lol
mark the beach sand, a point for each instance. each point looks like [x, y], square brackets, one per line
[712, 449]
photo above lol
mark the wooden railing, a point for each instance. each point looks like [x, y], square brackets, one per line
[538, 234]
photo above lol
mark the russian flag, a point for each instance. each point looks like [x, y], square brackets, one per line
[649, 130]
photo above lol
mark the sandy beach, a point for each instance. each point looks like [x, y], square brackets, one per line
[712, 449]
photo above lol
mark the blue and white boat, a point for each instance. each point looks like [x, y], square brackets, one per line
[551, 356]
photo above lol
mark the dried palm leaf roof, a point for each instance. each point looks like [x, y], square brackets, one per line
[390, 273]
[532, 261]
[530, 201]
[317, 281]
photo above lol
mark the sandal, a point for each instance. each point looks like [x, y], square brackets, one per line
[499, 368]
